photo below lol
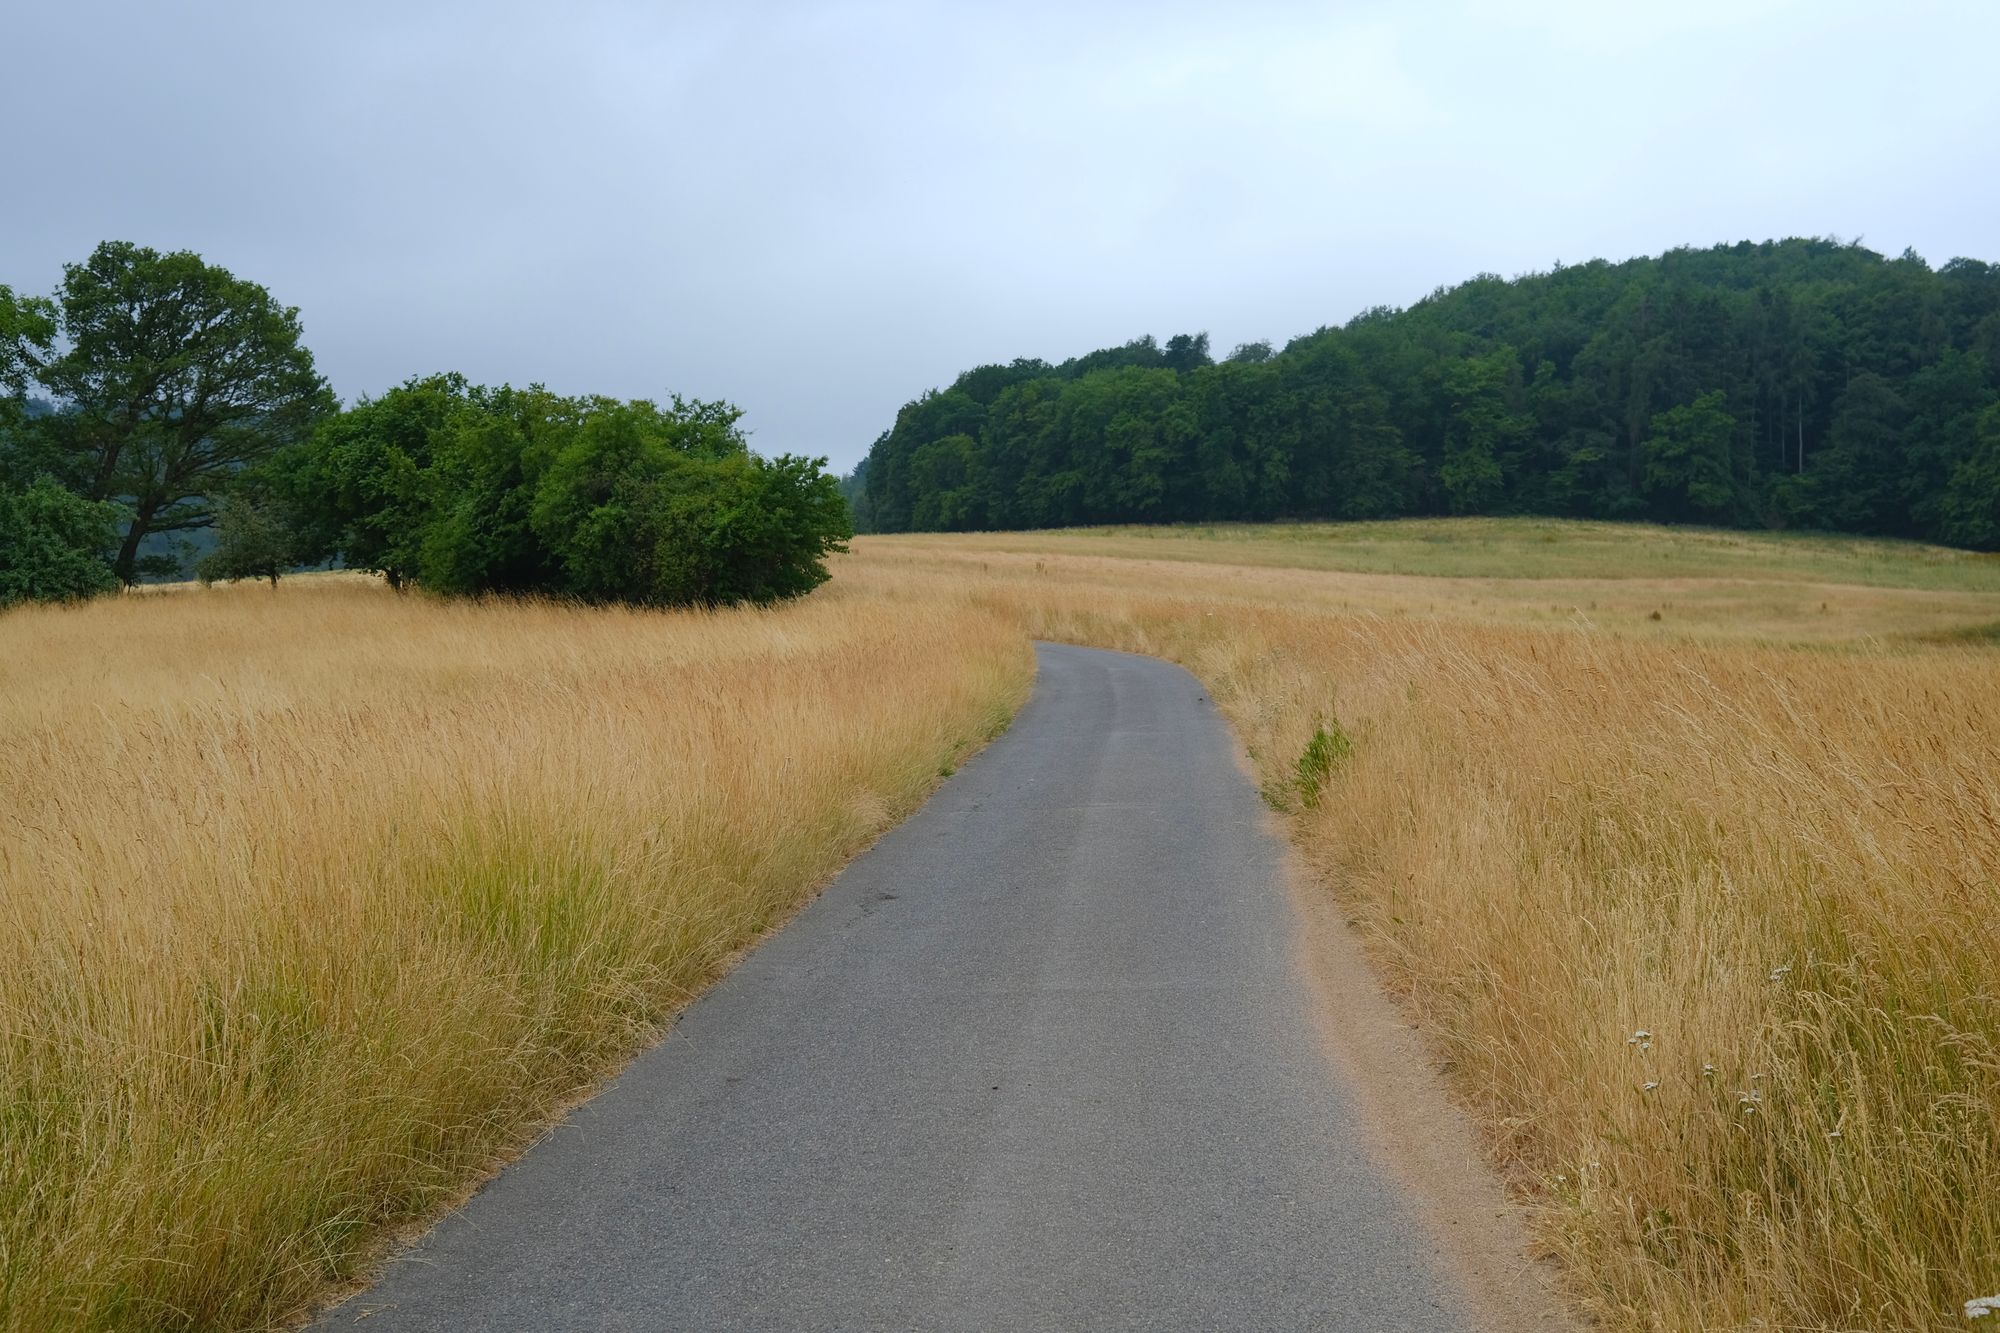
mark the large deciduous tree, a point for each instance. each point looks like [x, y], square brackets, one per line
[171, 375]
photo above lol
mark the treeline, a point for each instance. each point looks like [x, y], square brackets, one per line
[155, 395]
[1800, 383]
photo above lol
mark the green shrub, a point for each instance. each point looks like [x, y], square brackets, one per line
[1328, 749]
[54, 544]
[469, 490]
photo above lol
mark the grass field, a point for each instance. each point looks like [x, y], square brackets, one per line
[314, 903]
[1623, 580]
[1531, 548]
[1699, 911]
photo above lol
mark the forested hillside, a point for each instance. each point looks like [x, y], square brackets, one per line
[1797, 383]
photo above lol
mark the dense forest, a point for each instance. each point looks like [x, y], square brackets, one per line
[1797, 383]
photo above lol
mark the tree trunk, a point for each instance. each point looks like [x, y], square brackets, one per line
[128, 552]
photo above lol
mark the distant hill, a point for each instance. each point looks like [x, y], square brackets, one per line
[1801, 383]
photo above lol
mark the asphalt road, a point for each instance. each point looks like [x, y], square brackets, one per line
[1040, 1059]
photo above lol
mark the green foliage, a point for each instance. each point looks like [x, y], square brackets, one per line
[1329, 748]
[854, 490]
[27, 333]
[258, 536]
[173, 374]
[1971, 506]
[1483, 430]
[465, 489]
[474, 534]
[1688, 461]
[362, 485]
[53, 544]
[754, 530]
[1803, 383]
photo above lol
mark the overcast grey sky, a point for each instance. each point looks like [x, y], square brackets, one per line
[820, 210]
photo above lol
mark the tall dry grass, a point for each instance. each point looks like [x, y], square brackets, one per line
[1708, 930]
[313, 903]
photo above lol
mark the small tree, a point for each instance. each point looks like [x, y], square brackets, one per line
[256, 537]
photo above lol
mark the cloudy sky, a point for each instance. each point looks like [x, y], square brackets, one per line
[820, 210]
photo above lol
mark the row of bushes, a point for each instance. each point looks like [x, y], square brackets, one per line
[467, 489]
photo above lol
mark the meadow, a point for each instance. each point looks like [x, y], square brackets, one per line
[1698, 911]
[1680, 848]
[316, 903]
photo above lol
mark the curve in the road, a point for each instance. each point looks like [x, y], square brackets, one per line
[1042, 1058]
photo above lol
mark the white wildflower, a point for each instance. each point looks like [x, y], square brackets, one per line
[1981, 1306]
[1708, 1071]
[1650, 1086]
[1778, 973]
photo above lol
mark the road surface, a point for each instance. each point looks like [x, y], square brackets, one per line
[1043, 1058]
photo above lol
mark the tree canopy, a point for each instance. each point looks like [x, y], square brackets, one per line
[1804, 383]
[172, 375]
[466, 489]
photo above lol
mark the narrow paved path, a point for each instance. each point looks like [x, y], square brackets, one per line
[1041, 1059]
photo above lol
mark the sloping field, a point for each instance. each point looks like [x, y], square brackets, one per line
[1526, 548]
[1624, 580]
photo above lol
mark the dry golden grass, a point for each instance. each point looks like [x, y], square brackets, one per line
[315, 902]
[1528, 548]
[1644, 595]
[1780, 863]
